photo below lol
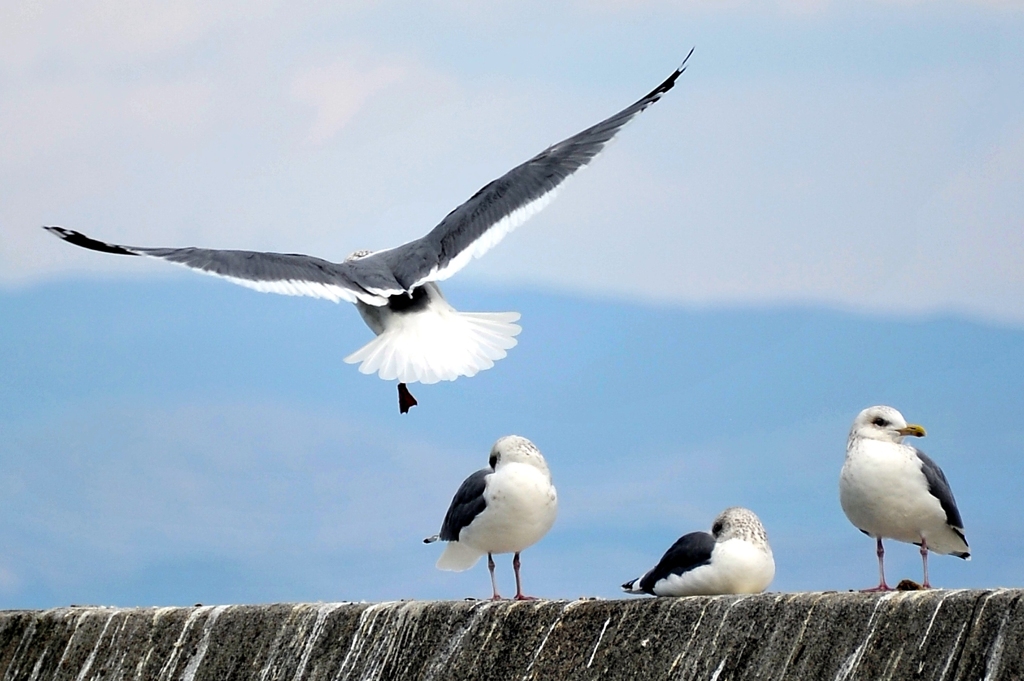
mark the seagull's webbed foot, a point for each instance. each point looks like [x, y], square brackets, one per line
[521, 597]
[881, 588]
[405, 399]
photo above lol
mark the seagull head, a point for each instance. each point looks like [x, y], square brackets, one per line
[357, 255]
[737, 522]
[517, 449]
[885, 424]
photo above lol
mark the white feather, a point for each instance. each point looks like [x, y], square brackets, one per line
[437, 343]
[458, 557]
[489, 239]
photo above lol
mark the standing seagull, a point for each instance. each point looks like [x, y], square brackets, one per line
[892, 490]
[420, 337]
[504, 508]
[734, 559]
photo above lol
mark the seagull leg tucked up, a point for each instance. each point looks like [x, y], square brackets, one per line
[405, 399]
[733, 559]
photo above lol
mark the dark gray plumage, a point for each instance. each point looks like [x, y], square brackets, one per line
[690, 551]
[939, 488]
[467, 504]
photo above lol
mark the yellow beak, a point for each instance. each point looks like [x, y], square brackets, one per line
[912, 429]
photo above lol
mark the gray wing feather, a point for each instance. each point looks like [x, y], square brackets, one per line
[468, 231]
[479, 223]
[468, 503]
[277, 272]
[939, 488]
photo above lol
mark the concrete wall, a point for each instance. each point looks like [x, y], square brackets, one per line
[908, 635]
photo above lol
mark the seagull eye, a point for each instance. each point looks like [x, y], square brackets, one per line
[716, 528]
[880, 422]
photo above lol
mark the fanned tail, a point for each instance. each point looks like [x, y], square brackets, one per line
[438, 344]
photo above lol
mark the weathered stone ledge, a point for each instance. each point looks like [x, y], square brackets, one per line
[969, 634]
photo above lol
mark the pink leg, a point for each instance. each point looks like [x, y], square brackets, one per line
[495, 596]
[519, 584]
[924, 561]
[882, 586]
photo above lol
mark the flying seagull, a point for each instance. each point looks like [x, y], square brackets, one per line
[420, 337]
[734, 559]
[895, 491]
[504, 508]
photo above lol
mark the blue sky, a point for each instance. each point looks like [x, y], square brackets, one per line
[190, 441]
[825, 214]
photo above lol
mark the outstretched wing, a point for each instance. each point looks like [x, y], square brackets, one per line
[468, 231]
[499, 207]
[287, 273]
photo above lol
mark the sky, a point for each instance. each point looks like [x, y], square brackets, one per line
[824, 214]
[868, 155]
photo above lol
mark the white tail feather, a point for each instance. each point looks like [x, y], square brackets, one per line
[437, 343]
[458, 557]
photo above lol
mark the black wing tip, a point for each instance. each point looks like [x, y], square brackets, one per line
[960, 533]
[669, 82]
[79, 239]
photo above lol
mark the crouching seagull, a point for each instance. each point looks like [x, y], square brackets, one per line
[504, 508]
[734, 559]
[420, 337]
[892, 490]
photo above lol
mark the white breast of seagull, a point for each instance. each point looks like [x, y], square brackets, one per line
[521, 508]
[883, 492]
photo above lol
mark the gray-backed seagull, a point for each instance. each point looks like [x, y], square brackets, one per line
[420, 337]
[734, 559]
[892, 490]
[504, 508]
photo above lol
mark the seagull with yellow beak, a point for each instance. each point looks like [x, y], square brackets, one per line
[893, 490]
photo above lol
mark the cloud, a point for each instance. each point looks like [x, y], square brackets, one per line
[336, 92]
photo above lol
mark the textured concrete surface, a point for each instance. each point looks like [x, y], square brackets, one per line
[904, 635]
